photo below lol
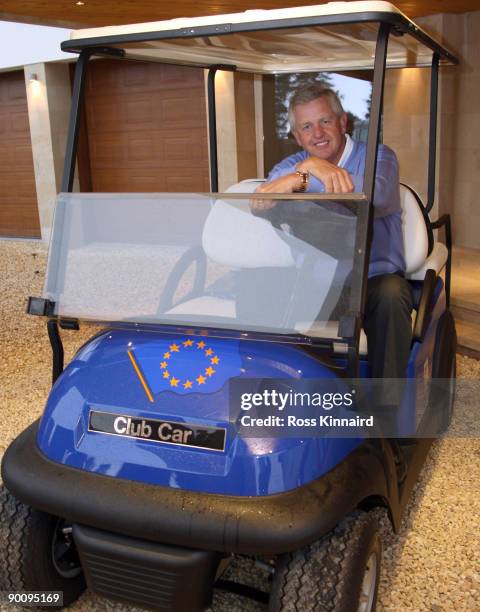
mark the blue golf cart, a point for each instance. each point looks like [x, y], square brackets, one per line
[144, 477]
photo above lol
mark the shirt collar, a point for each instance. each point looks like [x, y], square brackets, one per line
[346, 151]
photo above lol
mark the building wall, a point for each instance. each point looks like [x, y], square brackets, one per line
[226, 129]
[459, 171]
[405, 125]
[48, 98]
[59, 101]
[237, 138]
[146, 127]
[18, 198]
[458, 149]
[245, 125]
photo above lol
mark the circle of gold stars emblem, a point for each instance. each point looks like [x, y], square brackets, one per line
[192, 382]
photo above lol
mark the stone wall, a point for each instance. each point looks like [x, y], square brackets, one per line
[48, 96]
[458, 148]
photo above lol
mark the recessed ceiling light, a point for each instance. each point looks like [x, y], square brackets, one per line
[79, 3]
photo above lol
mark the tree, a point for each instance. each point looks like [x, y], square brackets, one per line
[369, 104]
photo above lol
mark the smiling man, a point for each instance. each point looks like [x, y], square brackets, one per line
[332, 162]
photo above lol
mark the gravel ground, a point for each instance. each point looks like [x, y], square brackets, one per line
[432, 564]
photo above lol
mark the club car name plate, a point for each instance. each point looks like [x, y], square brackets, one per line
[157, 430]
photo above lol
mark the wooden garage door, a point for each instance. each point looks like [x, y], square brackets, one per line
[18, 197]
[146, 127]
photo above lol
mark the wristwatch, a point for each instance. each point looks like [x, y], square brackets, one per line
[305, 176]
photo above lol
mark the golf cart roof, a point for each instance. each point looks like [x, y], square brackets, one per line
[271, 41]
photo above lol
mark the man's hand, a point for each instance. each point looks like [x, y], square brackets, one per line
[284, 184]
[335, 179]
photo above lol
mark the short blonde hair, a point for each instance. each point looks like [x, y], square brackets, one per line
[307, 93]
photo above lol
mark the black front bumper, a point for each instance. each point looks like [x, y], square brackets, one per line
[146, 573]
[265, 525]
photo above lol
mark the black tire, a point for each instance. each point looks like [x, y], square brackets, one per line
[451, 392]
[444, 370]
[34, 555]
[329, 574]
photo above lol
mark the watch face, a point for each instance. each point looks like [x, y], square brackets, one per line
[304, 176]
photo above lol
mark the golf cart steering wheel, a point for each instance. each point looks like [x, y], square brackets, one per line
[195, 255]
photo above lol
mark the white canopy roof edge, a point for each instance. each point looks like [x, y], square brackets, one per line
[334, 36]
[253, 16]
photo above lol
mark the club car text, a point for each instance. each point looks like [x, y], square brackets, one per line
[156, 430]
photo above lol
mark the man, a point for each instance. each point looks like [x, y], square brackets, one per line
[332, 162]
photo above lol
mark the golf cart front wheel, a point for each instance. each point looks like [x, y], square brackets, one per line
[339, 573]
[36, 551]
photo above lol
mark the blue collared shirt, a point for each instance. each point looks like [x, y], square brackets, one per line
[386, 254]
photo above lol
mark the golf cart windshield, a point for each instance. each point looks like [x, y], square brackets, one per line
[222, 261]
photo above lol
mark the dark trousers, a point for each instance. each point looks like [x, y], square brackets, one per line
[388, 325]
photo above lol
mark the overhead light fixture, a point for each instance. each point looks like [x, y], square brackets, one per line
[79, 3]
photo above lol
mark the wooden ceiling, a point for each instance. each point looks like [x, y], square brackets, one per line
[81, 13]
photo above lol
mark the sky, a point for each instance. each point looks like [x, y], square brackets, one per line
[22, 44]
[354, 92]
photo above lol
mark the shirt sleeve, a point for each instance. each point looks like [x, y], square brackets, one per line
[386, 197]
[286, 166]
[280, 170]
[276, 172]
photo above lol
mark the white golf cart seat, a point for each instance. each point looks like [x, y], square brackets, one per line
[421, 253]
